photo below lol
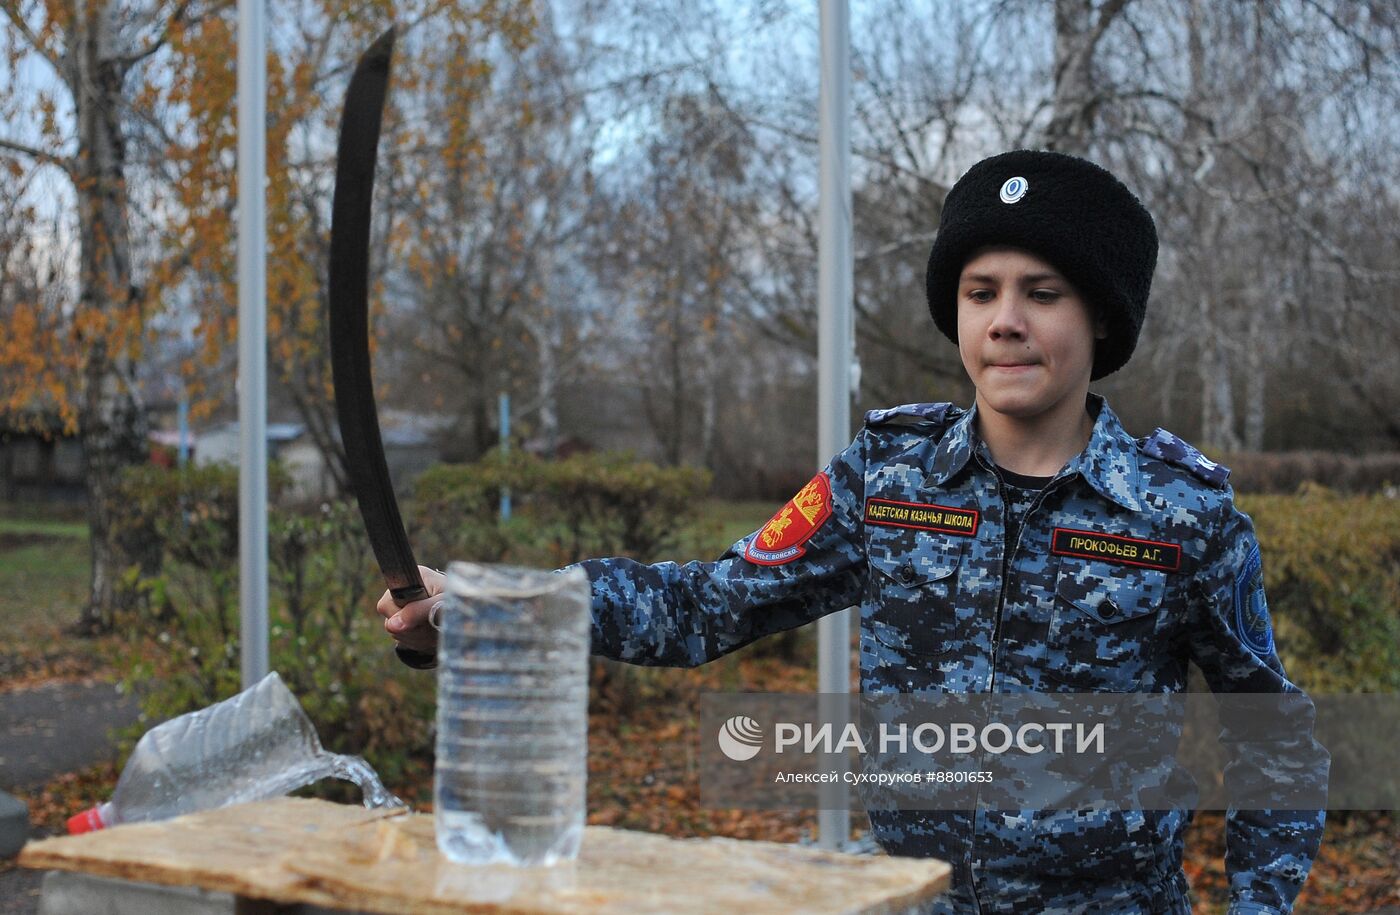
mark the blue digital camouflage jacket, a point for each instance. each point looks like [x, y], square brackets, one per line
[1131, 563]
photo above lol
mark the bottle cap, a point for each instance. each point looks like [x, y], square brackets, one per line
[89, 820]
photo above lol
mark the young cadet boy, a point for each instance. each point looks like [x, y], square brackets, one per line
[1027, 544]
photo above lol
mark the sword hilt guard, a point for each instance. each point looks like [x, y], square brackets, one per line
[418, 660]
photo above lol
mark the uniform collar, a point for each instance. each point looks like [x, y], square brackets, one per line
[1108, 463]
[954, 449]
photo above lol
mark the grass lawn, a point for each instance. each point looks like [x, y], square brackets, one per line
[45, 564]
[44, 568]
[718, 525]
[38, 527]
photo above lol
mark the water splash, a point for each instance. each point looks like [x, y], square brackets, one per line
[355, 769]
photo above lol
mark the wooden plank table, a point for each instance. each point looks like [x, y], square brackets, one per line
[293, 850]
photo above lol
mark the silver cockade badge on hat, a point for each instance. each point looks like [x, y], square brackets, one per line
[1014, 189]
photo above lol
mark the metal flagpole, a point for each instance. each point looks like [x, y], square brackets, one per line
[252, 339]
[505, 449]
[834, 347]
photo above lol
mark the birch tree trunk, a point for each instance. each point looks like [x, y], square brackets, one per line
[1078, 30]
[111, 419]
[548, 337]
[1219, 397]
[548, 332]
[710, 339]
[1213, 365]
[1205, 367]
[1256, 360]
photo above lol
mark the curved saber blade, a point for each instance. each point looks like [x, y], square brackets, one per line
[349, 321]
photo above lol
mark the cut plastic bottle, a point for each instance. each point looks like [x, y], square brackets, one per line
[256, 745]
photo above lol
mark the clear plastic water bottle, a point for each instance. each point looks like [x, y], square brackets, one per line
[512, 715]
[256, 745]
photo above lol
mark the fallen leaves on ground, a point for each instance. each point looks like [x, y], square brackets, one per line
[1357, 868]
[51, 804]
[32, 661]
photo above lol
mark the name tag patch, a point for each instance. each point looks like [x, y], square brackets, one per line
[1149, 554]
[924, 517]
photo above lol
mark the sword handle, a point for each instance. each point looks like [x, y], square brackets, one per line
[418, 660]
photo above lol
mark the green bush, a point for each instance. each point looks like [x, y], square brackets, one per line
[182, 650]
[1332, 574]
[585, 506]
[183, 647]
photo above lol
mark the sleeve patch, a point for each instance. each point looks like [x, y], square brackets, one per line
[1252, 623]
[780, 540]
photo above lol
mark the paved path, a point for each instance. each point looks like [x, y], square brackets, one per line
[19, 890]
[53, 728]
[47, 730]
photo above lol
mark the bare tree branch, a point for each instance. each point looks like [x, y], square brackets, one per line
[63, 162]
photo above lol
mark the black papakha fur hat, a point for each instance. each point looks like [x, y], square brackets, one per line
[1070, 212]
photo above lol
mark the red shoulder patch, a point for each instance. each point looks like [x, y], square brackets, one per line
[782, 537]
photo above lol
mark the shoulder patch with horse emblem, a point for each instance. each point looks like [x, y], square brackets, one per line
[781, 539]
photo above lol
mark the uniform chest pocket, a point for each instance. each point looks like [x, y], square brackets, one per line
[912, 605]
[1102, 631]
